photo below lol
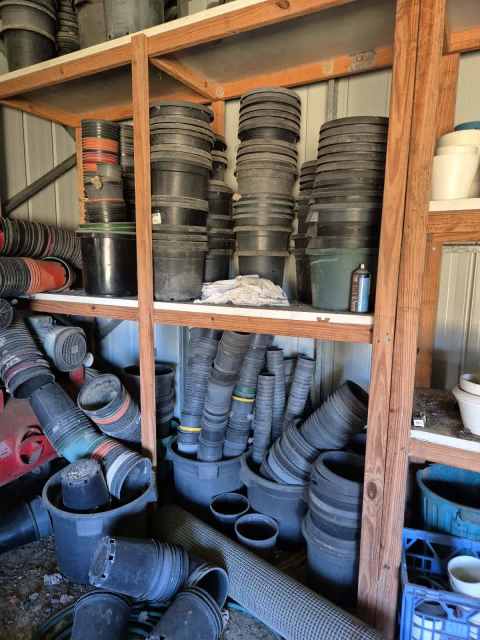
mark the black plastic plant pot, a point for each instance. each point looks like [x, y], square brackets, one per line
[212, 578]
[262, 238]
[182, 109]
[109, 264]
[78, 534]
[179, 216]
[84, 489]
[25, 523]
[178, 277]
[257, 531]
[217, 265]
[226, 508]
[182, 179]
[182, 137]
[264, 264]
[100, 615]
[24, 48]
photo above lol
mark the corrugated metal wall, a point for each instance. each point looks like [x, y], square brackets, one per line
[30, 146]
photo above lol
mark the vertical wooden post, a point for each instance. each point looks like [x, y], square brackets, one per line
[141, 146]
[218, 124]
[426, 101]
[401, 113]
[433, 261]
[80, 187]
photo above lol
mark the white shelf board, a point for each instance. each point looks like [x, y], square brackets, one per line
[424, 435]
[80, 298]
[461, 204]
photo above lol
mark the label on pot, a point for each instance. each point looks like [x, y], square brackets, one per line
[157, 218]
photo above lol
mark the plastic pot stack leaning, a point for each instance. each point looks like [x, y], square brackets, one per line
[266, 171]
[203, 348]
[221, 240]
[25, 275]
[181, 142]
[108, 236]
[332, 525]
[68, 39]
[128, 168]
[262, 420]
[345, 214]
[300, 388]
[221, 382]
[275, 365]
[302, 206]
[28, 31]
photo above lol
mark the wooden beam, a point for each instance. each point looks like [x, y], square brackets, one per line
[38, 185]
[340, 66]
[81, 309]
[401, 114]
[41, 110]
[447, 224]
[218, 124]
[191, 79]
[80, 185]
[422, 144]
[241, 20]
[463, 41]
[143, 209]
[442, 454]
[448, 94]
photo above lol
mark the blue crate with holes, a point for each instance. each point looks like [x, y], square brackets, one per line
[430, 611]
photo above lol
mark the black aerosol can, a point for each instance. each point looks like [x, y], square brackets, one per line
[360, 290]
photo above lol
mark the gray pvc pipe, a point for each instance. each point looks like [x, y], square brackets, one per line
[282, 603]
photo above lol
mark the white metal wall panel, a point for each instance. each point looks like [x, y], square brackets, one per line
[468, 93]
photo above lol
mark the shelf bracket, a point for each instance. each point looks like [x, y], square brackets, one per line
[191, 79]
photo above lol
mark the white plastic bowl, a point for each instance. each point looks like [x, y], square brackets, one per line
[466, 136]
[453, 175]
[469, 405]
[448, 149]
[464, 575]
[470, 383]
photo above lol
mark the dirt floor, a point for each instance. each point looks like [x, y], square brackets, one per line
[31, 590]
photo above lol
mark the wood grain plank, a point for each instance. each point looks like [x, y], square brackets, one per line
[218, 124]
[447, 224]
[422, 144]
[463, 41]
[191, 79]
[338, 67]
[442, 454]
[81, 309]
[141, 130]
[41, 110]
[401, 113]
[297, 328]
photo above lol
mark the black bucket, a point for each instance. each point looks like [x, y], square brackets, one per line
[266, 264]
[182, 179]
[178, 272]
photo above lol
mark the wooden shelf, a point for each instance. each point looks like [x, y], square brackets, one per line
[298, 321]
[76, 303]
[443, 439]
[455, 225]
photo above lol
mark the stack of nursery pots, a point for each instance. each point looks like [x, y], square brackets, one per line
[221, 383]
[304, 285]
[36, 240]
[91, 22]
[243, 398]
[266, 170]
[28, 30]
[332, 525]
[122, 18]
[181, 160]
[68, 39]
[203, 347]
[128, 171]
[219, 222]
[108, 235]
[276, 366]
[25, 275]
[262, 419]
[345, 214]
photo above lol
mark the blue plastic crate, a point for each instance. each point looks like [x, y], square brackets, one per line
[429, 610]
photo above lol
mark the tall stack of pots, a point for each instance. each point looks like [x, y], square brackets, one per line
[128, 170]
[28, 30]
[269, 130]
[345, 214]
[181, 160]
[108, 236]
[68, 39]
[302, 205]
[219, 222]
[91, 22]
[123, 17]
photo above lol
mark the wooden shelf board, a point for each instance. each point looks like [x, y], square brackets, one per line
[463, 19]
[76, 303]
[462, 225]
[444, 439]
[300, 321]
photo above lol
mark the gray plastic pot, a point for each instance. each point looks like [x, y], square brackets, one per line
[257, 531]
[226, 508]
[178, 274]
[265, 181]
[286, 503]
[91, 22]
[262, 238]
[266, 264]
[217, 265]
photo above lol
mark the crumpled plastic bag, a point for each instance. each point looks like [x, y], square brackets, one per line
[251, 291]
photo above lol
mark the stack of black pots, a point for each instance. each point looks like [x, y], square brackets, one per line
[345, 215]
[108, 236]
[307, 178]
[68, 39]
[28, 31]
[128, 172]
[219, 222]
[266, 171]
[332, 525]
[262, 420]
[181, 160]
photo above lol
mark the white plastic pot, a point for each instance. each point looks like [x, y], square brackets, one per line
[469, 405]
[470, 383]
[464, 575]
[466, 136]
[453, 175]
[450, 149]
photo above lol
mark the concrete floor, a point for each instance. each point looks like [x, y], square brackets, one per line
[31, 590]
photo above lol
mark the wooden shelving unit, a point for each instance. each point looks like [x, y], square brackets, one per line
[219, 54]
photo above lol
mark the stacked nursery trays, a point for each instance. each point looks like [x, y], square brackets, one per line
[68, 39]
[307, 178]
[266, 171]
[345, 214]
[108, 235]
[181, 160]
[219, 222]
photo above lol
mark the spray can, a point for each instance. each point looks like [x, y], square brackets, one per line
[360, 290]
